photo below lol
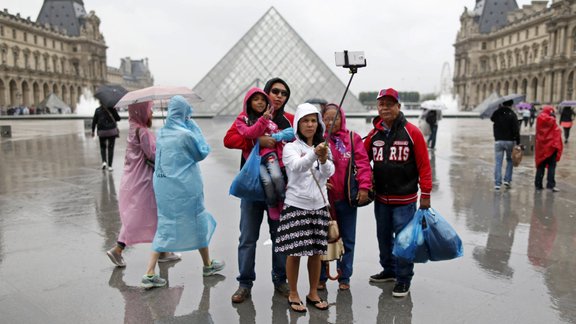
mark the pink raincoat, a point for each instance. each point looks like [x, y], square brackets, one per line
[137, 202]
[340, 147]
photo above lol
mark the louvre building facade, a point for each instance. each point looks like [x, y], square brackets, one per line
[505, 49]
[62, 52]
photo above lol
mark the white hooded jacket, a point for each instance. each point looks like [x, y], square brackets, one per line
[300, 161]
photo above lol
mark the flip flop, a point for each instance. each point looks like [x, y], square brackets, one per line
[315, 303]
[344, 286]
[291, 304]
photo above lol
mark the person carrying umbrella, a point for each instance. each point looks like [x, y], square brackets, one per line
[106, 118]
[506, 133]
[137, 205]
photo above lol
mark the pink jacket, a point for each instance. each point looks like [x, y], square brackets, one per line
[262, 126]
[137, 203]
[341, 151]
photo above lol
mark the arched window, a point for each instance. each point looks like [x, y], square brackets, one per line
[574, 40]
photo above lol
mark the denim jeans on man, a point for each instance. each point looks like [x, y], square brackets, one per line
[501, 147]
[390, 220]
[347, 226]
[550, 178]
[251, 215]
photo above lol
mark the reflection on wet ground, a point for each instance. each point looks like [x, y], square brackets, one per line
[59, 213]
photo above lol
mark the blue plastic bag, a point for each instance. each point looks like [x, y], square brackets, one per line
[409, 243]
[246, 184]
[441, 239]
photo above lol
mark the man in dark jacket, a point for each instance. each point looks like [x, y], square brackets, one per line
[506, 134]
[400, 165]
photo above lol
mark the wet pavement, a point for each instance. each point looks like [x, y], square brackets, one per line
[59, 214]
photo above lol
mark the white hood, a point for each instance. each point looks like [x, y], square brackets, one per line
[307, 109]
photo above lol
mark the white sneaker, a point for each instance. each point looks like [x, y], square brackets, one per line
[110, 168]
[104, 165]
[507, 184]
[214, 267]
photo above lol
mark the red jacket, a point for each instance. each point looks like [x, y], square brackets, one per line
[400, 162]
[548, 136]
[233, 139]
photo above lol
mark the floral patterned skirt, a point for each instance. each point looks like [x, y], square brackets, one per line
[302, 232]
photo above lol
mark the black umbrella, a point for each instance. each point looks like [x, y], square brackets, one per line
[110, 94]
[491, 107]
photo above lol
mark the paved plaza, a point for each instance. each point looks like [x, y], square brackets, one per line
[59, 214]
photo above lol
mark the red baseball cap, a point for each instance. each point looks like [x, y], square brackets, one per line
[388, 92]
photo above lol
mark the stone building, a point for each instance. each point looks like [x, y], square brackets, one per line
[63, 52]
[505, 49]
[132, 74]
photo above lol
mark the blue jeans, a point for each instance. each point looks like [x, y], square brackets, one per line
[499, 148]
[390, 220]
[272, 179]
[550, 178]
[347, 226]
[251, 215]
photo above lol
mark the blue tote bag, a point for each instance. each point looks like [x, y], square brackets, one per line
[246, 184]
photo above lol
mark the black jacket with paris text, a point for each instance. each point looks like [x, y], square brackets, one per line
[400, 162]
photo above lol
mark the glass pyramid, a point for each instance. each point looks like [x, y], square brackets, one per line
[271, 48]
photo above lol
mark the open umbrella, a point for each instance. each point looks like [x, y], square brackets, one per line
[433, 105]
[158, 94]
[110, 94]
[523, 105]
[567, 103]
[492, 106]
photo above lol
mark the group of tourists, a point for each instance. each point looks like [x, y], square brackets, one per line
[303, 170]
[313, 163]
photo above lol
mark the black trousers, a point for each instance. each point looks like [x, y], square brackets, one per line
[107, 143]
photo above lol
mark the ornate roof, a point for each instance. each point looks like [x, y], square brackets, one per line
[64, 14]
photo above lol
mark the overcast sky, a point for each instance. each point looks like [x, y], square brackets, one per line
[406, 43]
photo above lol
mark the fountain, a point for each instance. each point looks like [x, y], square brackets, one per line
[87, 103]
[446, 97]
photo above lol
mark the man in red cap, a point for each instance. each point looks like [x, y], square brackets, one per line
[400, 165]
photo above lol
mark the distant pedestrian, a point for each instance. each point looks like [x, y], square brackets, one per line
[432, 118]
[183, 222]
[401, 168]
[566, 118]
[548, 148]
[105, 119]
[526, 117]
[533, 113]
[506, 134]
[304, 220]
[137, 204]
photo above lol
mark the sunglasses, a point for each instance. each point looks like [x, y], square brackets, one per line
[277, 92]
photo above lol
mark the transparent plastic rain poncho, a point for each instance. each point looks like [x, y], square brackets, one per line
[137, 204]
[183, 222]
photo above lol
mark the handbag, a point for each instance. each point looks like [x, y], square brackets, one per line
[113, 132]
[351, 185]
[108, 132]
[335, 248]
[246, 184]
[516, 155]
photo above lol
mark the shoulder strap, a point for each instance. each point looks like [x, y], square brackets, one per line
[352, 146]
[319, 188]
[110, 114]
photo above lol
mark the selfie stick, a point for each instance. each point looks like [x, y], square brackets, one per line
[353, 71]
